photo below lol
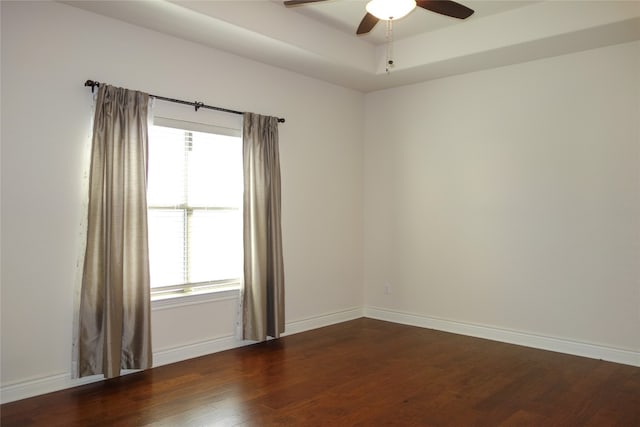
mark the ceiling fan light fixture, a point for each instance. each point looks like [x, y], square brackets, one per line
[389, 10]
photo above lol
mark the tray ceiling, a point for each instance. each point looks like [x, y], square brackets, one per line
[318, 40]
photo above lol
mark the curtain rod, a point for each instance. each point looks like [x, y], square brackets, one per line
[93, 84]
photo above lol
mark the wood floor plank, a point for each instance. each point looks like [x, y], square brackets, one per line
[359, 373]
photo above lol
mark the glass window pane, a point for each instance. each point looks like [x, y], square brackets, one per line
[215, 245]
[215, 171]
[195, 198]
[166, 247]
[166, 185]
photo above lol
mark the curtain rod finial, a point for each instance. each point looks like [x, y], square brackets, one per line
[92, 84]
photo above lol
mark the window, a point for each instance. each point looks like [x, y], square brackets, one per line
[194, 199]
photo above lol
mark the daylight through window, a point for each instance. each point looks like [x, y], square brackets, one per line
[194, 202]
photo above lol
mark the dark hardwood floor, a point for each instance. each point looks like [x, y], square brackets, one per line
[359, 373]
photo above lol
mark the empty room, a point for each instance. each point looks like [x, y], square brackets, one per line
[328, 212]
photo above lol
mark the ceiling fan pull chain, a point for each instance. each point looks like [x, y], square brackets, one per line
[389, 35]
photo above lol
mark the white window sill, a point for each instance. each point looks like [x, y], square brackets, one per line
[177, 299]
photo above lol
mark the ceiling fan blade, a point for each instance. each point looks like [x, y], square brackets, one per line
[368, 22]
[299, 2]
[446, 7]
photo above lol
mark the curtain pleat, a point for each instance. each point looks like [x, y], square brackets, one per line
[263, 290]
[114, 316]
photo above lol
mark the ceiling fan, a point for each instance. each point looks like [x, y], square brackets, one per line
[389, 10]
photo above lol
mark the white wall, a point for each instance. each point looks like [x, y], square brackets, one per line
[510, 199]
[506, 198]
[48, 51]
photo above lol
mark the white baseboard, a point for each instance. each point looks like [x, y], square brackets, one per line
[316, 322]
[38, 386]
[60, 381]
[512, 337]
[189, 351]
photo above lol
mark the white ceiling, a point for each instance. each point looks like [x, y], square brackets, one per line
[319, 39]
[345, 15]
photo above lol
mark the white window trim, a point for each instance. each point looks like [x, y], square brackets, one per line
[179, 291]
[195, 126]
[220, 294]
[195, 293]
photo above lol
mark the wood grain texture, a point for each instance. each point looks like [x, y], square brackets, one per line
[359, 373]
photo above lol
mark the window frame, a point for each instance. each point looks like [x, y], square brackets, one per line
[160, 293]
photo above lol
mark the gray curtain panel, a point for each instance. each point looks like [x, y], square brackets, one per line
[114, 317]
[263, 292]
